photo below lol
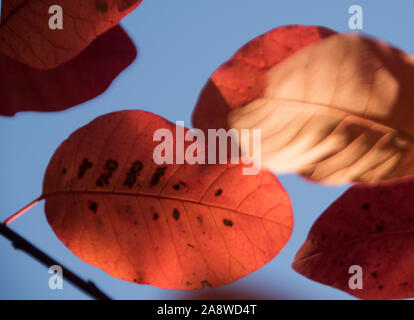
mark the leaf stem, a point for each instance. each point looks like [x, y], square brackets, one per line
[22, 211]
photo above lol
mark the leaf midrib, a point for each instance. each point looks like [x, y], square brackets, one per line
[120, 193]
[338, 109]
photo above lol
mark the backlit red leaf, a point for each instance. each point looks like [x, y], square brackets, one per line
[25, 35]
[23, 88]
[369, 226]
[174, 226]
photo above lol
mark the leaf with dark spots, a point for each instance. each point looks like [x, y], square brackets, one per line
[380, 240]
[83, 78]
[156, 248]
[25, 35]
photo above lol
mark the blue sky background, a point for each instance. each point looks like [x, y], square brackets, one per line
[180, 43]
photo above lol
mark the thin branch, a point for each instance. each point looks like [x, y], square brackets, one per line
[22, 244]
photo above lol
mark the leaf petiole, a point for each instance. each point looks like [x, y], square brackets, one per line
[22, 211]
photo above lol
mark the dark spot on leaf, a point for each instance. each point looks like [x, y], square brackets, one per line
[156, 216]
[227, 222]
[380, 228]
[205, 284]
[366, 206]
[176, 214]
[218, 192]
[374, 274]
[190, 245]
[111, 165]
[188, 283]
[404, 284]
[312, 241]
[323, 237]
[200, 219]
[380, 287]
[93, 206]
[135, 222]
[410, 220]
[177, 186]
[63, 170]
[131, 176]
[157, 175]
[101, 6]
[85, 165]
[137, 166]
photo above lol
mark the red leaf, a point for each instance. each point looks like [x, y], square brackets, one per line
[243, 78]
[23, 88]
[25, 35]
[174, 226]
[369, 226]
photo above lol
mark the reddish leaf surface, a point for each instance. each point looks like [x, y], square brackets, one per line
[337, 111]
[242, 79]
[174, 226]
[368, 226]
[25, 35]
[23, 88]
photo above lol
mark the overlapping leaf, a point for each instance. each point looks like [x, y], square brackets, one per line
[23, 88]
[25, 35]
[174, 226]
[339, 110]
[372, 227]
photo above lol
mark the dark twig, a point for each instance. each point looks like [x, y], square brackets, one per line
[22, 244]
